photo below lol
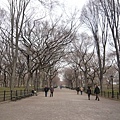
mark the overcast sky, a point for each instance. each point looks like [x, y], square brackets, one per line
[68, 9]
[69, 6]
[68, 3]
[74, 3]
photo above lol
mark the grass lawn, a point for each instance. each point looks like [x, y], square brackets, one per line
[8, 89]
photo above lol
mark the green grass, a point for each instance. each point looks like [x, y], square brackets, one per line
[8, 89]
[110, 90]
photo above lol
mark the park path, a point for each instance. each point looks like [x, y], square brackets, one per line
[65, 105]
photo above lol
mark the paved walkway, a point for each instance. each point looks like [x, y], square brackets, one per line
[65, 105]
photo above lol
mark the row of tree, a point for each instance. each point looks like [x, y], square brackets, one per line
[35, 44]
[98, 49]
[31, 47]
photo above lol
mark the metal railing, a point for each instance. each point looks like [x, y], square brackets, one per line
[110, 95]
[14, 95]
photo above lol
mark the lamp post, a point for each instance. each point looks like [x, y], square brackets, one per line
[112, 86]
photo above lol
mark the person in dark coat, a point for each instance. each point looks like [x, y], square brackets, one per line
[97, 91]
[89, 92]
[51, 91]
[78, 90]
[46, 89]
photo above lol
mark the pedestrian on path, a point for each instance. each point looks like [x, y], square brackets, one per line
[51, 91]
[81, 90]
[89, 92]
[46, 89]
[97, 91]
[60, 86]
[78, 90]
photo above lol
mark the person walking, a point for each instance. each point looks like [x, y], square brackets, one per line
[81, 90]
[89, 92]
[46, 89]
[51, 91]
[97, 91]
[78, 90]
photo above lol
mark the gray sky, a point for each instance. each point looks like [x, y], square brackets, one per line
[68, 9]
[74, 3]
[68, 3]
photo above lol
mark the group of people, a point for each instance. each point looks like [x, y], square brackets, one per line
[96, 92]
[79, 89]
[46, 89]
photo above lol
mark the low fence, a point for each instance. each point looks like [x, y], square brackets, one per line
[114, 95]
[14, 95]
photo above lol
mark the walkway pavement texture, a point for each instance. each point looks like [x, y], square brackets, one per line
[65, 105]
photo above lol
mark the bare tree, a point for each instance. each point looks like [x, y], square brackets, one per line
[81, 55]
[96, 21]
[112, 11]
[33, 45]
[16, 16]
[69, 77]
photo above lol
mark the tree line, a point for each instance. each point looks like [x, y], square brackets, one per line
[35, 43]
[32, 46]
[96, 52]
